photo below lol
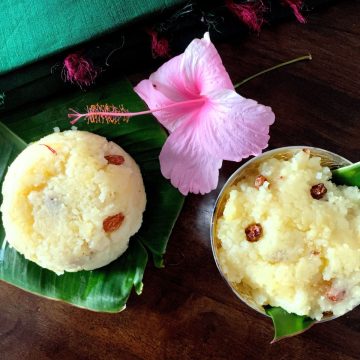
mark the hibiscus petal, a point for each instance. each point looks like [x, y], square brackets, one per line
[233, 127]
[186, 77]
[169, 80]
[187, 165]
[202, 68]
[196, 72]
[167, 86]
[170, 118]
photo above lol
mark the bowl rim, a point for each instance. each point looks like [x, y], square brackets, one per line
[225, 187]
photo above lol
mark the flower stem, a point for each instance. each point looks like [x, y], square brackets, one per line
[301, 58]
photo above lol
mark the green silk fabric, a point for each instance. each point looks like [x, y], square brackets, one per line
[33, 29]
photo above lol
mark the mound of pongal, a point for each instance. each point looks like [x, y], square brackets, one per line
[71, 201]
[292, 238]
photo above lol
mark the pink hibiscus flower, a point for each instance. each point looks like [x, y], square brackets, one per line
[194, 99]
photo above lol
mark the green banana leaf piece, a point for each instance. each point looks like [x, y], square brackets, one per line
[286, 324]
[347, 175]
[106, 289]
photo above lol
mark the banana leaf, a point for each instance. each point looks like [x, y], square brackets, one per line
[286, 324]
[108, 288]
[347, 175]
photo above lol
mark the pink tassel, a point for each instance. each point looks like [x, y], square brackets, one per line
[79, 70]
[250, 13]
[295, 5]
[159, 47]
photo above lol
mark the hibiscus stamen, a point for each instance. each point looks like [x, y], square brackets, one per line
[96, 112]
[301, 58]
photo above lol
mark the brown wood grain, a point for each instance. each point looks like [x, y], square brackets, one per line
[186, 310]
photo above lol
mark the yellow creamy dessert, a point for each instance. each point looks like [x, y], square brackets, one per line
[291, 238]
[71, 201]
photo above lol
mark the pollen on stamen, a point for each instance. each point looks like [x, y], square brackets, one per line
[110, 114]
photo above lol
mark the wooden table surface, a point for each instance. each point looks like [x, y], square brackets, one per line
[186, 310]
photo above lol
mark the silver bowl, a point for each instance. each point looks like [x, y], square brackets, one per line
[333, 161]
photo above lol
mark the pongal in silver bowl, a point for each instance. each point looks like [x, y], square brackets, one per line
[284, 235]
